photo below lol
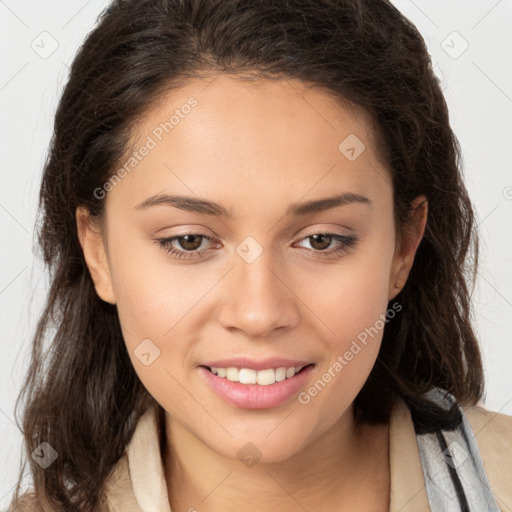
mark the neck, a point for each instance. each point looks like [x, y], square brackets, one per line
[336, 470]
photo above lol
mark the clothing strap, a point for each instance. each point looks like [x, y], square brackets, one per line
[455, 477]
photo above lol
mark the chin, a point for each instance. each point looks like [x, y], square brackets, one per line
[259, 449]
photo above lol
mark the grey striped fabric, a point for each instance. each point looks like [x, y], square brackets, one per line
[455, 477]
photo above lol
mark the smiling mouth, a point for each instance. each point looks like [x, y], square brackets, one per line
[264, 377]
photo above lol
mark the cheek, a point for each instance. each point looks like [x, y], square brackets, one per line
[150, 301]
[352, 304]
[152, 293]
[154, 304]
[357, 325]
[351, 296]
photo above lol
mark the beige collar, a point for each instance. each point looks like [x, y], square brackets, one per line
[408, 493]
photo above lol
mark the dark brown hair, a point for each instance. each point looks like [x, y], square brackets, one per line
[82, 395]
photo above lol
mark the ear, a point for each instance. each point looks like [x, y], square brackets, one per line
[406, 249]
[90, 236]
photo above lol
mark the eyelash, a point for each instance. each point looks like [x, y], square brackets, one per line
[166, 244]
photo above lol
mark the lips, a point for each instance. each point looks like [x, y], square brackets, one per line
[266, 395]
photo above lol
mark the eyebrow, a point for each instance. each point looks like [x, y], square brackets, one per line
[193, 204]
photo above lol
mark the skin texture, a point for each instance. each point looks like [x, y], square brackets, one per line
[256, 149]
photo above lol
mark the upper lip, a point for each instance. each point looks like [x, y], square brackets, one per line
[244, 362]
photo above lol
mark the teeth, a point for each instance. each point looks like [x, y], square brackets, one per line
[261, 377]
[280, 374]
[232, 374]
[266, 377]
[247, 376]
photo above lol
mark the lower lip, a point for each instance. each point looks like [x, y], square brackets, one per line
[254, 396]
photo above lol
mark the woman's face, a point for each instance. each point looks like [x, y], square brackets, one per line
[253, 282]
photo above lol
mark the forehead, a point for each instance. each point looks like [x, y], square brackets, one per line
[229, 138]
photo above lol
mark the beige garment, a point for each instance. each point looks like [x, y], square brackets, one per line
[138, 483]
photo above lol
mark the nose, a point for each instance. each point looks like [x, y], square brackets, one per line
[259, 299]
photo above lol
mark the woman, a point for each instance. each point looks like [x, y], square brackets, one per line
[258, 234]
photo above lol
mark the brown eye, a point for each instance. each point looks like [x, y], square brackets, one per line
[184, 246]
[321, 241]
[192, 242]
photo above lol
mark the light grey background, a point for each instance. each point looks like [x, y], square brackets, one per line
[37, 43]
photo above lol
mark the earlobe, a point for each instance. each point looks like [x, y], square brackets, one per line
[412, 236]
[93, 247]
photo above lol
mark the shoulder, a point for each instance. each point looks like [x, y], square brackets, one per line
[492, 430]
[480, 415]
[117, 496]
[493, 434]
[119, 492]
[27, 502]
